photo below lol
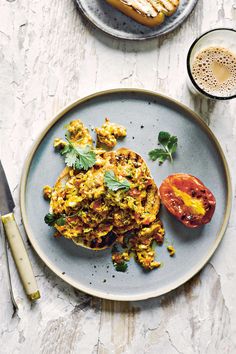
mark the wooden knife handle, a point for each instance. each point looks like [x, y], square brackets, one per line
[20, 256]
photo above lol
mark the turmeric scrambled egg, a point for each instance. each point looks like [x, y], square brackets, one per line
[109, 132]
[95, 216]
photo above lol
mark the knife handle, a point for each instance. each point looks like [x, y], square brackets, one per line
[20, 256]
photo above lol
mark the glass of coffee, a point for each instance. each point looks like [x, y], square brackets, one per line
[211, 64]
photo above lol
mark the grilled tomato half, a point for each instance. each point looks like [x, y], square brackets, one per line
[188, 199]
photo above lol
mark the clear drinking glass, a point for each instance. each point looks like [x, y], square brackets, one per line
[220, 38]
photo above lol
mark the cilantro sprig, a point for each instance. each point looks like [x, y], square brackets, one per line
[113, 183]
[121, 267]
[52, 219]
[79, 158]
[169, 145]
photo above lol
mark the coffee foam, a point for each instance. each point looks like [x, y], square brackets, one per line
[214, 70]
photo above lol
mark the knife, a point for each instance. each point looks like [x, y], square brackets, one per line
[14, 304]
[15, 240]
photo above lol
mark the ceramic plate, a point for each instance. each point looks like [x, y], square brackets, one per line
[144, 114]
[113, 22]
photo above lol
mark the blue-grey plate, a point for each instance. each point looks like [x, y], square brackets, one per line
[144, 114]
[113, 22]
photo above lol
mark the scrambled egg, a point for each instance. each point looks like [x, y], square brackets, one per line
[109, 132]
[95, 216]
[78, 134]
[171, 250]
[141, 246]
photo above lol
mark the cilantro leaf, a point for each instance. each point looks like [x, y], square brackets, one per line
[79, 158]
[172, 144]
[157, 154]
[61, 221]
[51, 220]
[86, 157]
[169, 146]
[66, 149]
[164, 137]
[113, 183]
[121, 267]
[70, 158]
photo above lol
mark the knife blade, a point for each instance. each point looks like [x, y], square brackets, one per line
[7, 204]
[15, 240]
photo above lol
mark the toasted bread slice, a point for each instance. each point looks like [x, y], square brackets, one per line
[149, 13]
[133, 10]
[167, 7]
[96, 244]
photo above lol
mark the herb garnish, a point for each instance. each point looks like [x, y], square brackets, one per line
[51, 220]
[121, 267]
[112, 182]
[169, 144]
[79, 158]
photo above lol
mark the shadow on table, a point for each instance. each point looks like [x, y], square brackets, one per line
[201, 293]
[128, 45]
[133, 46]
[187, 297]
[204, 107]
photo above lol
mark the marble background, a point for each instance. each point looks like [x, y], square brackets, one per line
[49, 56]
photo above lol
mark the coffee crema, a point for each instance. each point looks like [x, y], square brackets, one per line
[214, 70]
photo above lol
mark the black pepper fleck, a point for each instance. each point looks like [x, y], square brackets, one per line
[113, 276]
[63, 273]
[142, 126]
[132, 137]
[104, 281]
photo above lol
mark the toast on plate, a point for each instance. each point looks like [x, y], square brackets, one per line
[149, 13]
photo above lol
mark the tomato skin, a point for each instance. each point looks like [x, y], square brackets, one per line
[195, 191]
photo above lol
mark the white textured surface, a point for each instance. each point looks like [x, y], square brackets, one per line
[49, 56]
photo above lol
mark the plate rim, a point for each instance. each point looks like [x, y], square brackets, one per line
[145, 37]
[103, 294]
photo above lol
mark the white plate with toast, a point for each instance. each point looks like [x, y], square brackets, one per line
[136, 19]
